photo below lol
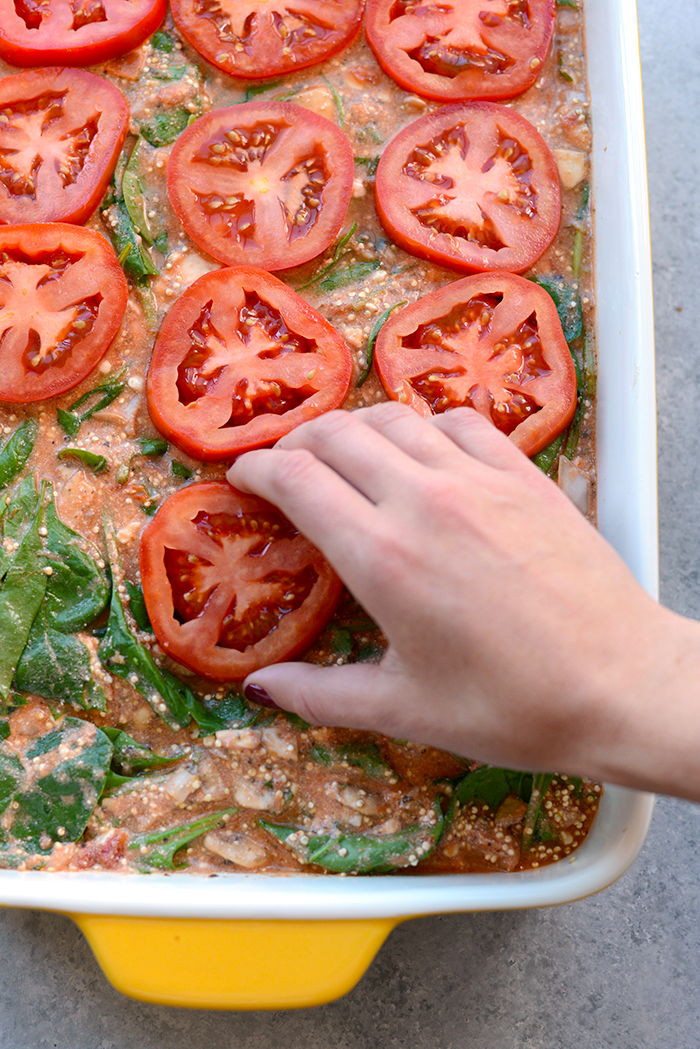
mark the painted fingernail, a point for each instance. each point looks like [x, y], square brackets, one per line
[256, 694]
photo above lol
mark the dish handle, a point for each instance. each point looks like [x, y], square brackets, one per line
[226, 964]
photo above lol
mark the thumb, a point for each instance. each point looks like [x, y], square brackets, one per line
[358, 695]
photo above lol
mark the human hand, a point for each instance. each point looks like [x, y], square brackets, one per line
[516, 634]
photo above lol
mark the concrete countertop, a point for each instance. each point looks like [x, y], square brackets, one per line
[620, 970]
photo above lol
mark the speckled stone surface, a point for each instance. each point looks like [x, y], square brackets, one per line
[618, 971]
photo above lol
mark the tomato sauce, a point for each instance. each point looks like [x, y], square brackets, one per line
[264, 792]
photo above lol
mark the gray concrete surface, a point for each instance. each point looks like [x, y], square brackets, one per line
[621, 970]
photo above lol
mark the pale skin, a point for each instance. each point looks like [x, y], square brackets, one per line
[517, 636]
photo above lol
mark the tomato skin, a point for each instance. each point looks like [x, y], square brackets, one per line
[266, 52]
[465, 146]
[215, 308]
[397, 40]
[442, 349]
[88, 104]
[88, 294]
[54, 42]
[207, 169]
[232, 537]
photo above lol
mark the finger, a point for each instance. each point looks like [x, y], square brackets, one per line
[324, 507]
[375, 449]
[358, 695]
[478, 437]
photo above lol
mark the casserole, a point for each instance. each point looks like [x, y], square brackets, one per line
[306, 939]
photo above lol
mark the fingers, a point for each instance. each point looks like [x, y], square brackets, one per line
[324, 507]
[479, 438]
[374, 449]
[359, 695]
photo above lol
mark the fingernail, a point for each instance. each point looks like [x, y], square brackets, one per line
[256, 694]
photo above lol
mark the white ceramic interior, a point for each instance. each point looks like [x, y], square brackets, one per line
[627, 515]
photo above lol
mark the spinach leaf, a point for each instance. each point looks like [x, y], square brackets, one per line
[162, 41]
[348, 275]
[492, 785]
[320, 755]
[376, 328]
[16, 450]
[548, 456]
[169, 697]
[366, 756]
[57, 666]
[180, 470]
[123, 656]
[161, 846]
[534, 815]
[371, 163]
[134, 199]
[56, 806]
[92, 460]
[21, 594]
[165, 126]
[233, 711]
[130, 758]
[4, 728]
[567, 301]
[77, 589]
[153, 446]
[259, 89]
[137, 605]
[328, 269]
[127, 243]
[340, 640]
[359, 853]
[105, 393]
[295, 720]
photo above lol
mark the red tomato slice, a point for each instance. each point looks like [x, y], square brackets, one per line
[256, 39]
[240, 360]
[262, 184]
[230, 584]
[491, 342]
[467, 49]
[472, 186]
[62, 299]
[74, 32]
[61, 132]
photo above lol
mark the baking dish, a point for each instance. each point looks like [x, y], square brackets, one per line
[251, 941]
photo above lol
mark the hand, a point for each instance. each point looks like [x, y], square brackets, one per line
[516, 634]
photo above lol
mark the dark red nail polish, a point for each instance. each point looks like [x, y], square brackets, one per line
[258, 695]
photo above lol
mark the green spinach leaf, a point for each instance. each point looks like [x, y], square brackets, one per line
[158, 850]
[57, 666]
[55, 806]
[360, 853]
[16, 450]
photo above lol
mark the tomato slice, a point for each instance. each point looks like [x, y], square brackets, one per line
[262, 184]
[74, 32]
[255, 39]
[470, 186]
[467, 49]
[491, 342]
[230, 584]
[62, 299]
[240, 360]
[61, 132]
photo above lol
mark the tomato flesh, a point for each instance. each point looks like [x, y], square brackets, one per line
[262, 184]
[469, 49]
[472, 186]
[491, 342]
[241, 360]
[230, 584]
[258, 39]
[74, 32]
[62, 299]
[61, 132]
